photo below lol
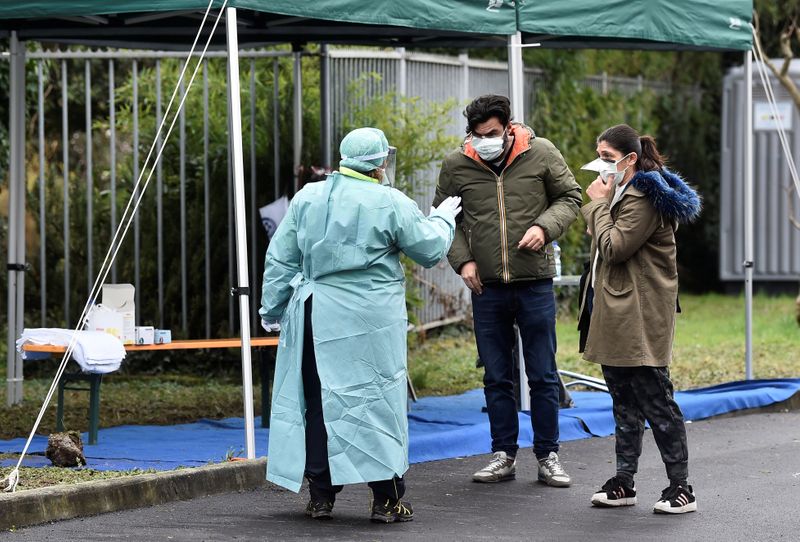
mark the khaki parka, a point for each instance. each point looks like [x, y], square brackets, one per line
[632, 322]
[535, 188]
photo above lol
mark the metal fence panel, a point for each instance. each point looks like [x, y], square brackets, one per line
[444, 296]
[432, 78]
[84, 172]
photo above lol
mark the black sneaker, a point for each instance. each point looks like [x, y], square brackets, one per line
[390, 512]
[319, 510]
[676, 500]
[614, 493]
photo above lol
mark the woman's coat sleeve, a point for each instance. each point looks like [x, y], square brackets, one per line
[619, 239]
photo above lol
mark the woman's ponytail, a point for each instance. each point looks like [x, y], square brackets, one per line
[650, 159]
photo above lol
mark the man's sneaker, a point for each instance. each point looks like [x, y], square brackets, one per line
[319, 510]
[614, 493]
[552, 473]
[391, 511]
[676, 500]
[500, 468]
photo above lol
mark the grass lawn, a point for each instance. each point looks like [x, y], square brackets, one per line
[139, 400]
[37, 477]
[709, 349]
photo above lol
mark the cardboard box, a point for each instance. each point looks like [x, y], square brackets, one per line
[145, 335]
[121, 298]
[163, 336]
[102, 318]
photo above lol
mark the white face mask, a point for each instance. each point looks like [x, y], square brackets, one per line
[489, 148]
[610, 174]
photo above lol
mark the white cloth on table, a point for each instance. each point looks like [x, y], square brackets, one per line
[95, 351]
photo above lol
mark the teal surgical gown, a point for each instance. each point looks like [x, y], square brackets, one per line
[341, 241]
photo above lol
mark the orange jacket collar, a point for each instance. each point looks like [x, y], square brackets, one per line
[522, 142]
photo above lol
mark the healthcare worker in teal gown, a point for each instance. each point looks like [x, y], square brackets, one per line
[334, 286]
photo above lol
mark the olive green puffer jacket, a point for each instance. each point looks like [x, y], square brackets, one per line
[535, 188]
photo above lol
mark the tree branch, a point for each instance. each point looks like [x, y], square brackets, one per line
[786, 51]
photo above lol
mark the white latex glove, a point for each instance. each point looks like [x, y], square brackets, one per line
[450, 206]
[271, 327]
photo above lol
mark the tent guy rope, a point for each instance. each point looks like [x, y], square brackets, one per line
[758, 53]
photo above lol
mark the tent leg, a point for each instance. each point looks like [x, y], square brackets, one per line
[241, 228]
[297, 113]
[16, 218]
[516, 77]
[748, 216]
[515, 85]
[325, 105]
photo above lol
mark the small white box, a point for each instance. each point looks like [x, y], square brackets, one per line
[163, 336]
[145, 334]
[120, 297]
[102, 318]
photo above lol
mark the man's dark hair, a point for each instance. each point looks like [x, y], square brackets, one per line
[485, 107]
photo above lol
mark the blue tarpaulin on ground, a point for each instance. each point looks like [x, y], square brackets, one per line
[439, 428]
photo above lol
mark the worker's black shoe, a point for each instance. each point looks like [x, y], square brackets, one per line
[391, 511]
[319, 510]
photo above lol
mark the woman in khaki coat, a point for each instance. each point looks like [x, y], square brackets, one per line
[631, 297]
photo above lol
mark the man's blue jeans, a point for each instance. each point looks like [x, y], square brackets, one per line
[531, 304]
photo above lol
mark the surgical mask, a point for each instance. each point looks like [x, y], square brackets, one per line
[489, 148]
[607, 169]
[610, 173]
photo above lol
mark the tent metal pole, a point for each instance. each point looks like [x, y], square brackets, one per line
[241, 227]
[297, 114]
[516, 77]
[463, 94]
[748, 215]
[16, 217]
[325, 105]
[515, 86]
[276, 129]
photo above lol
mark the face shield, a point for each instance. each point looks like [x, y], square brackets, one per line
[390, 167]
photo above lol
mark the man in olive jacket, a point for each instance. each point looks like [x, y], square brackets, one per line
[518, 195]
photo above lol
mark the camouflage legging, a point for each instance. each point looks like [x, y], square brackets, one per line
[646, 393]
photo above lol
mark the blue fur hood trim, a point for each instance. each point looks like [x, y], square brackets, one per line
[669, 194]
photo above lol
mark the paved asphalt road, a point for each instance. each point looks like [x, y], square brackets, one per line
[746, 473]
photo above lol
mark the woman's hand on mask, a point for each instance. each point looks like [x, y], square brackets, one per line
[598, 189]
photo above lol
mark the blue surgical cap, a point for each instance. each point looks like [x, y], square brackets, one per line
[364, 149]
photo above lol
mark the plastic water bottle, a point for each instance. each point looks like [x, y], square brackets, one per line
[557, 258]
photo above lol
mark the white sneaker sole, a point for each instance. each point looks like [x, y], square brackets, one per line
[490, 480]
[555, 483]
[600, 500]
[691, 507]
